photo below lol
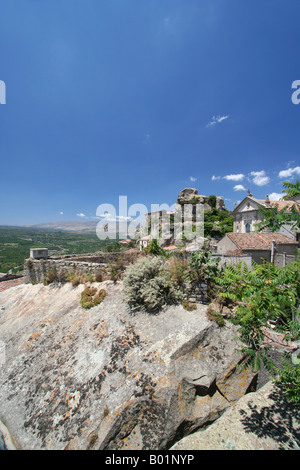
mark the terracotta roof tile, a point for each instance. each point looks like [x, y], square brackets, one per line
[282, 204]
[259, 241]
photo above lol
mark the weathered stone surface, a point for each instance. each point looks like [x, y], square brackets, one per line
[106, 379]
[258, 421]
[191, 194]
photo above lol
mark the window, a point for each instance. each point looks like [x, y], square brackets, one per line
[248, 227]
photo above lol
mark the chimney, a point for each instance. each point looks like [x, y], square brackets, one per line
[267, 201]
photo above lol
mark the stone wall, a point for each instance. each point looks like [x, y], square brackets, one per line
[283, 259]
[198, 293]
[98, 264]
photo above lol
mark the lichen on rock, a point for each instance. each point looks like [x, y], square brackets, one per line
[108, 379]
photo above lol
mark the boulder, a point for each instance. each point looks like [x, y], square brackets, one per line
[107, 379]
[261, 420]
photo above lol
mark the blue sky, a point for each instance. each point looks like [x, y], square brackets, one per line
[143, 98]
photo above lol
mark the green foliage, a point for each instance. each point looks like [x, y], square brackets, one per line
[114, 247]
[73, 278]
[265, 294]
[52, 276]
[217, 223]
[274, 218]
[291, 189]
[148, 287]
[189, 306]
[176, 266]
[289, 379]
[90, 298]
[212, 201]
[203, 267]
[215, 316]
[116, 270]
[15, 243]
[154, 249]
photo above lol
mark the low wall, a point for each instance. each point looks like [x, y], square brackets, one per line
[101, 265]
[283, 259]
[234, 260]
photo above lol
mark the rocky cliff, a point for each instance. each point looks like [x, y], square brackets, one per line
[262, 420]
[190, 195]
[106, 379]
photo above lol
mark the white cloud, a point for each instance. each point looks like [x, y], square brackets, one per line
[238, 177]
[61, 213]
[80, 214]
[122, 217]
[146, 138]
[215, 178]
[275, 196]
[113, 218]
[260, 178]
[216, 120]
[290, 172]
[239, 187]
[193, 179]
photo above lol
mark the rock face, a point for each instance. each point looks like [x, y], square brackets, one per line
[191, 194]
[259, 421]
[105, 379]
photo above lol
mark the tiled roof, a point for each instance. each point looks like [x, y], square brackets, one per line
[259, 241]
[124, 242]
[4, 285]
[262, 202]
[282, 204]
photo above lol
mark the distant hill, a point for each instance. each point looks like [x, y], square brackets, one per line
[85, 226]
[70, 226]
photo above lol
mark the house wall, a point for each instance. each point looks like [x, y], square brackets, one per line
[288, 249]
[248, 213]
[235, 260]
[258, 255]
[38, 253]
[225, 245]
[282, 259]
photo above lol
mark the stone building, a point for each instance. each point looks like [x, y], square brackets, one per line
[272, 247]
[246, 215]
[39, 253]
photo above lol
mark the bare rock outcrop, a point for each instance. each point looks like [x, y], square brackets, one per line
[190, 195]
[106, 379]
[262, 420]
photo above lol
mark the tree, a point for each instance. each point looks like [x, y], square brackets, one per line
[269, 293]
[291, 189]
[262, 295]
[274, 218]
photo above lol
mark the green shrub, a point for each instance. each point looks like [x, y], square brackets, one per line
[154, 249]
[116, 270]
[215, 316]
[265, 294]
[101, 275]
[73, 278]
[212, 201]
[90, 297]
[51, 277]
[148, 287]
[202, 266]
[189, 306]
